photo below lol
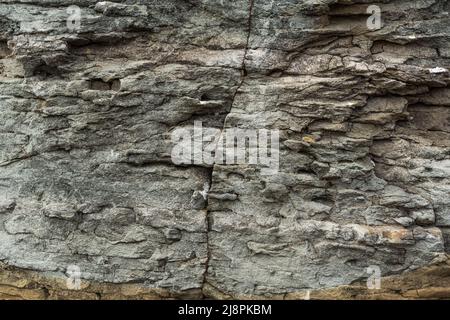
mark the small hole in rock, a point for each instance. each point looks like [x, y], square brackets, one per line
[45, 71]
[115, 85]
[213, 94]
[206, 97]
[99, 84]
[4, 50]
[276, 73]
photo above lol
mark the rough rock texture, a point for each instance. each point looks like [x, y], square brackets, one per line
[86, 176]
[427, 283]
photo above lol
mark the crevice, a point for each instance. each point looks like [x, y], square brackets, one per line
[4, 50]
[44, 72]
[244, 74]
[99, 84]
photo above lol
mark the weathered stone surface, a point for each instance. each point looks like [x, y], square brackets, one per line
[425, 283]
[87, 179]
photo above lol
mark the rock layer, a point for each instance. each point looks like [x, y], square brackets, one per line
[86, 172]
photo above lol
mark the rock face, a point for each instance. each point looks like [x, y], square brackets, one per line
[91, 93]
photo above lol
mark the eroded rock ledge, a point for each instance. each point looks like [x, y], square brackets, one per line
[86, 176]
[432, 282]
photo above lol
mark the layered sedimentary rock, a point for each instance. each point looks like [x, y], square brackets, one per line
[89, 100]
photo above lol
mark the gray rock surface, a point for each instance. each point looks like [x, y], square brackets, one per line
[86, 116]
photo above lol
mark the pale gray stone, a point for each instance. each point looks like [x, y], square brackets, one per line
[86, 117]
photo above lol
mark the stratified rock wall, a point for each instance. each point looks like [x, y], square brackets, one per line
[89, 100]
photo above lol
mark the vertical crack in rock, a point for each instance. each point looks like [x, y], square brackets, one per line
[331, 211]
[243, 75]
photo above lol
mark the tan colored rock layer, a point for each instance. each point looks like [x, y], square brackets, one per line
[431, 282]
[19, 284]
